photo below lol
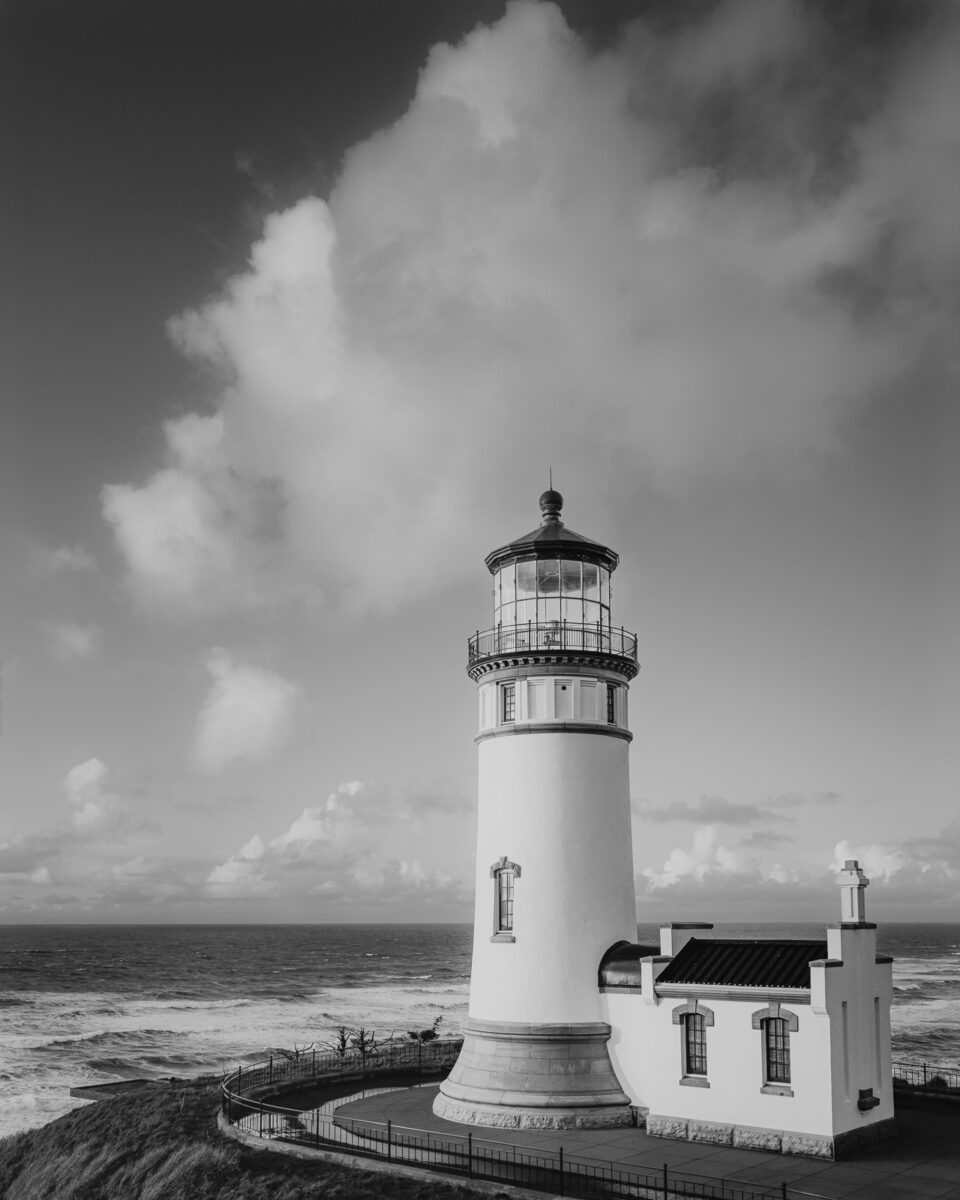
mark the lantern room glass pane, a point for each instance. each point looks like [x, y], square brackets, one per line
[570, 579]
[507, 614]
[605, 588]
[508, 590]
[548, 608]
[526, 579]
[548, 577]
[572, 610]
[526, 611]
[591, 613]
[591, 581]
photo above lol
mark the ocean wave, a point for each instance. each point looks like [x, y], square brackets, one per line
[105, 1037]
[207, 1005]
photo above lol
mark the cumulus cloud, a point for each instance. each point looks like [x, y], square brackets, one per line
[334, 834]
[919, 875]
[701, 250]
[341, 849]
[884, 861]
[706, 856]
[247, 715]
[69, 641]
[98, 829]
[87, 789]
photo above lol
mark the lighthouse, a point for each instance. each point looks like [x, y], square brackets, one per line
[554, 873]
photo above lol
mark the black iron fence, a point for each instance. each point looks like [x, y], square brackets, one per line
[467, 1155]
[926, 1078]
[247, 1104]
[305, 1066]
[552, 635]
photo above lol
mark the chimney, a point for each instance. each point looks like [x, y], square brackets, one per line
[852, 883]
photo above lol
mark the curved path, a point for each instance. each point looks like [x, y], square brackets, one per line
[923, 1161]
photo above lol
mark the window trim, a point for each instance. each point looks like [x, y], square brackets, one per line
[508, 702]
[503, 866]
[791, 1024]
[681, 1016]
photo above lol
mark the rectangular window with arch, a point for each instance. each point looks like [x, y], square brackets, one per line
[775, 1025]
[777, 1050]
[694, 1019]
[508, 702]
[504, 874]
[694, 1045]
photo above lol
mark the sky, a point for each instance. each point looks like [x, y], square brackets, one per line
[303, 301]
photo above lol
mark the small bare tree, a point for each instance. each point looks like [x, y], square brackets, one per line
[341, 1043]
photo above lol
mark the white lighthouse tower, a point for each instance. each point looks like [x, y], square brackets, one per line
[554, 886]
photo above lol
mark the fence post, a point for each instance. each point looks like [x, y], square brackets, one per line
[316, 1127]
[261, 1118]
[561, 1170]
[470, 1155]
[314, 1062]
[924, 1075]
[665, 1181]
[783, 1191]
[271, 1069]
[240, 1079]
[389, 1146]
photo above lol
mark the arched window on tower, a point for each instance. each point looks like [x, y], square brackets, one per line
[504, 874]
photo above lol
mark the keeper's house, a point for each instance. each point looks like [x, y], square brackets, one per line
[775, 1044]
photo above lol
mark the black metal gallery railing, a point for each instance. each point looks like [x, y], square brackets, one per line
[467, 1155]
[552, 635]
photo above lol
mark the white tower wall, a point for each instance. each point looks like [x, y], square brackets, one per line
[557, 803]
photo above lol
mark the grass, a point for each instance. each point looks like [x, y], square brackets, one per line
[163, 1144]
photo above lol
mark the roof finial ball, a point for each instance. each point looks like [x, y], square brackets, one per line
[551, 503]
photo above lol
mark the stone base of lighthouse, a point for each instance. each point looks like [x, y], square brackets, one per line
[515, 1075]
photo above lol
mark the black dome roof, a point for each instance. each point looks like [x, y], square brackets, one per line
[552, 539]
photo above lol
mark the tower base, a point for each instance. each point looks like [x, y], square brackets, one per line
[515, 1075]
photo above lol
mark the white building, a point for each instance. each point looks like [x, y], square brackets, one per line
[774, 1044]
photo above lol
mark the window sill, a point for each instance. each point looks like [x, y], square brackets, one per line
[776, 1089]
[695, 1081]
[503, 937]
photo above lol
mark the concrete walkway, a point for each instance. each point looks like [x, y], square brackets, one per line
[923, 1161]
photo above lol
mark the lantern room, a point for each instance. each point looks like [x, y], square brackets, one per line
[551, 591]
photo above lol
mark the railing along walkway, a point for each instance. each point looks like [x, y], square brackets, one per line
[467, 1154]
[470, 1155]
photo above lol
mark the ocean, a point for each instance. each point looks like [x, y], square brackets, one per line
[89, 1004]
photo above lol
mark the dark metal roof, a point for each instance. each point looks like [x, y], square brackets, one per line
[620, 965]
[737, 963]
[552, 539]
